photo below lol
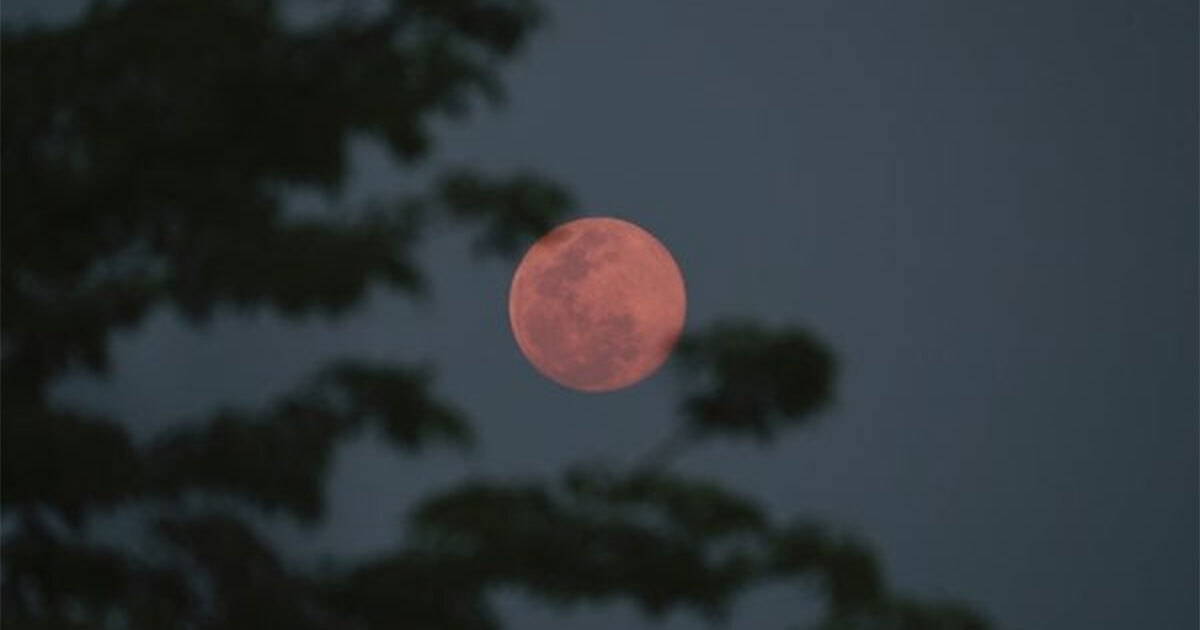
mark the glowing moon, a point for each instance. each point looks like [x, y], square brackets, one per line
[597, 304]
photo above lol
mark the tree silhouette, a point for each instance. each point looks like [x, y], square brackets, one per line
[145, 151]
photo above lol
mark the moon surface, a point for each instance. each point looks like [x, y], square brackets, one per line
[597, 304]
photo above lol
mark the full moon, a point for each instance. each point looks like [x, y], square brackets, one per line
[597, 304]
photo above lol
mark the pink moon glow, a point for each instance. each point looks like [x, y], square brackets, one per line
[597, 304]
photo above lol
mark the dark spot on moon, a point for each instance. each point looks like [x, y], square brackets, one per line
[618, 336]
[557, 280]
[611, 344]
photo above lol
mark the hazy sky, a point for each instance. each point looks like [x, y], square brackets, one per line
[988, 209]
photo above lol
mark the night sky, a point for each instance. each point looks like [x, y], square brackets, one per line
[989, 210]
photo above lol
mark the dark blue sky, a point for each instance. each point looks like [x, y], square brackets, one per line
[988, 209]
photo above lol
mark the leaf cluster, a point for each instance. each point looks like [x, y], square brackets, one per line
[145, 151]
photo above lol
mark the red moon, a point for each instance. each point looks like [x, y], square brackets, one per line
[597, 304]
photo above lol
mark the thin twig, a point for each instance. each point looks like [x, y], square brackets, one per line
[671, 446]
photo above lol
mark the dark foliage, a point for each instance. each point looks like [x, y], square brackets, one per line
[145, 151]
[277, 459]
[752, 381]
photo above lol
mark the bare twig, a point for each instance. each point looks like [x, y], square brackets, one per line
[670, 447]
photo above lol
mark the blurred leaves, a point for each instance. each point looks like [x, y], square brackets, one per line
[511, 210]
[66, 461]
[500, 26]
[248, 586]
[666, 542]
[278, 458]
[51, 582]
[747, 380]
[275, 459]
[907, 614]
[145, 152]
[689, 508]
[296, 267]
[148, 143]
[593, 537]
[410, 589]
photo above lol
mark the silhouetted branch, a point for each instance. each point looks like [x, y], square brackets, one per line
[277, 458]
[660, 455]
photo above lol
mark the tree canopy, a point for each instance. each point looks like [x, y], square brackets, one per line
[146, 149]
